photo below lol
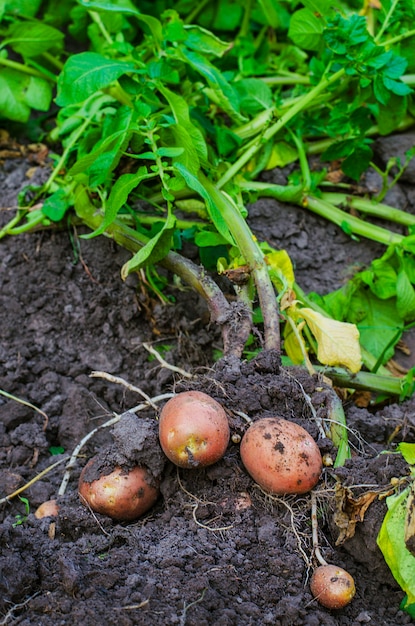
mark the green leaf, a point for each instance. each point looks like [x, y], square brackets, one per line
[306, 29]
[322, 7]
[381, 278]
[126, 7]
[190, 136]
[12, 97]
[22, 8]
[38, 94]
[358, 161]
[390, 116]
[397, 87]
[206, 238]
[31, 39]
[405, 297]
[391, 541]
[86, 73]
[223, 90]
[408, 452]
[202, 40]
[169, 152]
[153, 251]
[272, 11]
[56, 205]
[379, 324]
[120, 191]
[214, 212]
[254, 94]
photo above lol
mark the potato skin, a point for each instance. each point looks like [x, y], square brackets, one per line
[281, 456]
[332, 586]
[49, 508]
[123, 496]
[193, 430]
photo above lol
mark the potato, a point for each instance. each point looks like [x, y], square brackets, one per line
[281, 456]
[122, 495]
[332, 586]
[193, 429]
[49, 508]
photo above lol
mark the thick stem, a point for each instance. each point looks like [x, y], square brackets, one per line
[246, 242]
[389, 385]
[222, 312]
[371, 207]
[350, 223]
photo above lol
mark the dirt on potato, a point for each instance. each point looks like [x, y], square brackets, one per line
[214, 549]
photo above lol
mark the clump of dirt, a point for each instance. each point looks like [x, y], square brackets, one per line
[215, 549]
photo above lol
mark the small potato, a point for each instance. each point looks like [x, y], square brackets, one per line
[47, 509]
[332, 586]
[193, 430]
[123, 496]
[281, 456]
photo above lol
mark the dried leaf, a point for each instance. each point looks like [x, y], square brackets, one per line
[350, 510]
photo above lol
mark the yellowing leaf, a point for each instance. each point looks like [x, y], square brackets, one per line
[338, 342]
[282, 154]
[280, 268]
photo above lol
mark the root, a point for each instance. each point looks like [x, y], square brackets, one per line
[195, 506]
[164, 363]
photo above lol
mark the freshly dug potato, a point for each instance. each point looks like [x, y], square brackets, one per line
[332, 586]
[49, 508]
[281, 456]
[123, 496]
[193, 429]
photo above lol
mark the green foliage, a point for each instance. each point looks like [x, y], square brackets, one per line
[162, 105]
[391, 537]
[380, 300]
[21, 518]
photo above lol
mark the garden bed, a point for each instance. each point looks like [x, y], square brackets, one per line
[214, 550]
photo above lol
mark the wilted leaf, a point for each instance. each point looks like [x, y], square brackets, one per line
[349, 511]
[338, 342]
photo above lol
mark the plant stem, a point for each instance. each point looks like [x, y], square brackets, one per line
[386, 20]
[254, 257]
[390, 385]
[349, 223]
[371, 207]
[235, 321]
[14, 65]
[301, 104]
[286, 79]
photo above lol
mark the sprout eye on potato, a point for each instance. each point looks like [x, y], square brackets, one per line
[193, 430]
[281, 456]
[332, 586]
[122, 495]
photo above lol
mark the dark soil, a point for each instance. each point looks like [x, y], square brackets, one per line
[214, 550]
